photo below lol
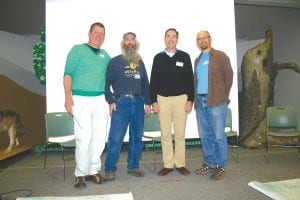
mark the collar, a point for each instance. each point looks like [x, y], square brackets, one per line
[170, 54]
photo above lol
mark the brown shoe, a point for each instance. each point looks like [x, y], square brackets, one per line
[96, 178]
[110, 176]
[136, 173]
[164, 171]
[219, 174]
[79, 182]
[183, 170]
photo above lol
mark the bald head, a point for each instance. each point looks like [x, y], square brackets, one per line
[204, 40]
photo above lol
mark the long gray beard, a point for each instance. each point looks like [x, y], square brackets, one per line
[131, 55]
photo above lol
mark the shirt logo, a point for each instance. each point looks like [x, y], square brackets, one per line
[132, 71]
[133, 66]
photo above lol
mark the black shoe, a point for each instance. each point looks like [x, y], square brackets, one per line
[79, 182]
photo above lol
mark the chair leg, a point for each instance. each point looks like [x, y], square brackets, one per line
[45, 157]
[63, 160]
[267, 151]
[154, 159]
[237, 149]
[236, 155]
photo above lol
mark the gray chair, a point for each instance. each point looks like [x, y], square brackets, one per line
[232, 137]
[282, 122]
[152, 132]
[59, 131]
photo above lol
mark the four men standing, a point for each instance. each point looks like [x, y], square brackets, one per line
[90, 72]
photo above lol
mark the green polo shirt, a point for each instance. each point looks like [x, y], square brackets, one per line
[87, 67]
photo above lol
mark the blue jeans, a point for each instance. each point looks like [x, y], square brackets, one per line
[211, 122]
[129, 111]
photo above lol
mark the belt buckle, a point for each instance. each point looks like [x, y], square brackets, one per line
[128, 95]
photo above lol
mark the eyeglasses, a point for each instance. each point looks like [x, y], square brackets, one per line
[203, 38]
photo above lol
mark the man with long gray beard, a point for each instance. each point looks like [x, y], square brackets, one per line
[128, 102]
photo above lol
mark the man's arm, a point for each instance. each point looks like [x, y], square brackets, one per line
[228, 74]
[68, 94]
[109, 74]
[154, 81]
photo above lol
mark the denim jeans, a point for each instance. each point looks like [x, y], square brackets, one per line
[129, 111]
[211, 122]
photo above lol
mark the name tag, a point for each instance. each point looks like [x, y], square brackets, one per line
[179, 64]
[205, 62]
[137, 76]
[101, 56]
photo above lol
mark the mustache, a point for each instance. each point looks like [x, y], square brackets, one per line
[130, 53]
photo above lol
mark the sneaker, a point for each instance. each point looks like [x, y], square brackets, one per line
[204, 169]
[79, 182]
[219, 174]
[110, 176]
[96, 178]
[136, 173]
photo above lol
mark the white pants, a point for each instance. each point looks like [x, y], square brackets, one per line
[90, 128]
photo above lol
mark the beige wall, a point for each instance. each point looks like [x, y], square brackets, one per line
[31, 108]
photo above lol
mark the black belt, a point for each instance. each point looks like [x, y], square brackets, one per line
[202, 95]
[128, 95]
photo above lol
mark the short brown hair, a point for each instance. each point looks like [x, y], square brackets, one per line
[171, 29]
[97, 24]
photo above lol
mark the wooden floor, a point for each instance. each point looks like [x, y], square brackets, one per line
[14, 152]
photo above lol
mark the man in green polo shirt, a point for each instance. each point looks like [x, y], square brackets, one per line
[84, 84]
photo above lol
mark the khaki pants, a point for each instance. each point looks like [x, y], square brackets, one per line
[172, 112]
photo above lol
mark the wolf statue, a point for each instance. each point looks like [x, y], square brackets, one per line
[10, 123]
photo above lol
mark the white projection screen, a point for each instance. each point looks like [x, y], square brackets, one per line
[68, 22]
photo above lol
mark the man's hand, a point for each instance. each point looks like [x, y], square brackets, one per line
[188, 106]
[155, 107]
[147, 110]
[112, 107]
[69, 103]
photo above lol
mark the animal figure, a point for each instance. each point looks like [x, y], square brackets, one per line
[10, 123]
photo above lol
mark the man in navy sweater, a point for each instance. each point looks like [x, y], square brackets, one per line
[128, 103]
[172, 96]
